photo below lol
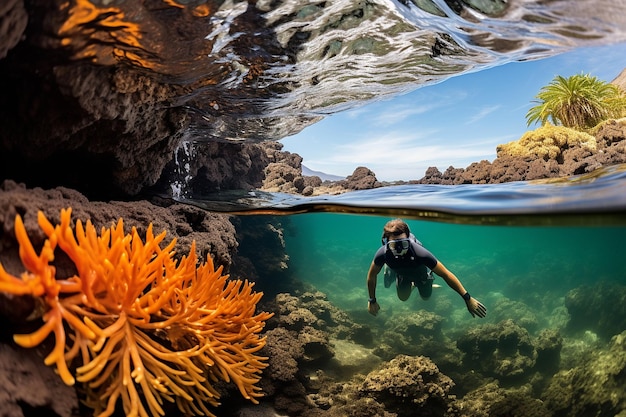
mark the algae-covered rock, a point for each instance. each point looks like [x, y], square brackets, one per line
[418, 333]
[491, 400]
[547, 142]
[600, 308]
[594, 388]
[504, 350]
[410, 385]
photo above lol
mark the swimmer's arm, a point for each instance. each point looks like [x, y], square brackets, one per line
[372, 279]
[450, 279]
[475, 307]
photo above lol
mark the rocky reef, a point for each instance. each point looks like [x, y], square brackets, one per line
[594, 387]
[495, 369]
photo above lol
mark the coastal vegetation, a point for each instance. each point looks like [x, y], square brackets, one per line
[547, 142]
[570, 110]
[579, 102]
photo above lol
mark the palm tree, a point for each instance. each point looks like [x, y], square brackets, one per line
[578, 102]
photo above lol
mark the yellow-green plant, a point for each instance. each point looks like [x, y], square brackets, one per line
[547, 142]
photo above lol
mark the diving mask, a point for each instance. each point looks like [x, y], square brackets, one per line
[399, 247]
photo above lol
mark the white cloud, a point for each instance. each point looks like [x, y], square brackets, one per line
[392, 112]
[396, 114]
[402, 155]
[482, 113]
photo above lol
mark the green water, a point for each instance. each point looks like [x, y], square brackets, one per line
[516, 271]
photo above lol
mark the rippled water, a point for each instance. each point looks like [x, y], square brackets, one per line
[266, 69]
[598, 198]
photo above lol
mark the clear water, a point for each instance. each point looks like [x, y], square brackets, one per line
[533, 265]
[525, 269]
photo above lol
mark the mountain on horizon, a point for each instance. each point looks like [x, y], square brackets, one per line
[324, 176]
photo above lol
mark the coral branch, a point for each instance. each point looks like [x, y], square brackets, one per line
[148, 329]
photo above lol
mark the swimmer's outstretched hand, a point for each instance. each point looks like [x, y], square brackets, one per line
[373, 308]
[476, 308]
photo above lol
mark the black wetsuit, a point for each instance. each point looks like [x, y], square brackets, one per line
[411, 267]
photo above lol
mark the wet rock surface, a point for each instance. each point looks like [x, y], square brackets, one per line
[594, 387]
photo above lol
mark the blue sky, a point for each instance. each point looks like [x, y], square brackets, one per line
[455, 122]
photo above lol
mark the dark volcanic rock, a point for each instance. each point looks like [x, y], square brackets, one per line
[361, 179]
[574, 160]
[13, 20]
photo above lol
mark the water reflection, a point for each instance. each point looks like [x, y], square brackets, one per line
[266, 69]
[598, 198]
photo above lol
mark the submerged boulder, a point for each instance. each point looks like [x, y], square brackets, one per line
[491, 400]
[600, 308]
[409, 386]
[594, 388]
[504, 350]
[418, 333]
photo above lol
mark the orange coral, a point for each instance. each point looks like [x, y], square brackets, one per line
[147, 328]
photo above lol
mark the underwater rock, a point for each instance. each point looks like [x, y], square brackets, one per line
[594, 388]
[31, 388]
[13, 21]
[504, 308]
[291, 315]
[312, 308]
[600, 308]
[261, 254]
[504, 351]
[351, 358]
[284, 351]
[408, 386]
[291, 376]
[418, 333]
[549, 344]
[490, 400]
[301, 350]
[345, 399]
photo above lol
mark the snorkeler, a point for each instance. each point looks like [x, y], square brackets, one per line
[406, 260]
